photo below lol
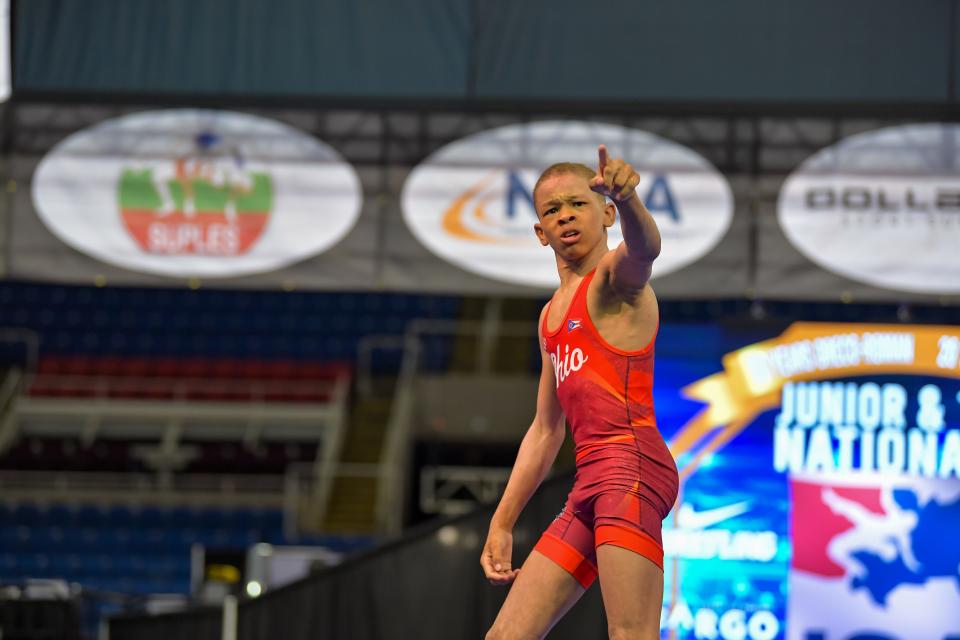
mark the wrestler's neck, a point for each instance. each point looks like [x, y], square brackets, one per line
[573, 271]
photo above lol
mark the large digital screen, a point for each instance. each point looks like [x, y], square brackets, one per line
[820, 497]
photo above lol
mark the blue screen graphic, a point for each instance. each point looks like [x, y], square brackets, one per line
[730, 565]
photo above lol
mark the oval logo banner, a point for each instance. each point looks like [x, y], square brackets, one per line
[196, 193]
[471, 202]
[882, 208]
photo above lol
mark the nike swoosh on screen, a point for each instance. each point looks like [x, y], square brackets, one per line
[688, 518]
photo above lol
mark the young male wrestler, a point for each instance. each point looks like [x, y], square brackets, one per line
[596, 337]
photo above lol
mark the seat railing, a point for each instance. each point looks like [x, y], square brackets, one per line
[180, 388]
[395, 461]
[80, 487]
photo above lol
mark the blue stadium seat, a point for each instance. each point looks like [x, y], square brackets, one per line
[149, 517]
[117, 516]
[181, 517]
[88, 515]
[7, 512]
[28, 514]
[144, 321]
[9, 535]
[120, 549]
[60, 565]
[34, 565]
[118, 538]
[9, 563]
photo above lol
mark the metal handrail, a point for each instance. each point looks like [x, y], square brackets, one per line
[30, 340]
[9, 391]
[302, 479]
[365, 350]
[329, 459]
[98, 385]
[71, 485]
[392, 484]
[393, 462]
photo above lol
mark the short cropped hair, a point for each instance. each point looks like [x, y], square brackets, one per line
[559, 168]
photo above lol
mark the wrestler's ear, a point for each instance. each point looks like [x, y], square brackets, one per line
[609, 214]
[540, 235]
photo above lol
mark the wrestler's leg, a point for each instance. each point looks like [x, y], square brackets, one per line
[538, 598]
[560, 568]
[632, 587]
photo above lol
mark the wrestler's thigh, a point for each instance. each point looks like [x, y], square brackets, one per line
[538, 598]
[632, 588]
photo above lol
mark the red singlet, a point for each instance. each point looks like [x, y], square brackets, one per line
[626, 480]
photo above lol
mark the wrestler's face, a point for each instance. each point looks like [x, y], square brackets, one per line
[572, 218]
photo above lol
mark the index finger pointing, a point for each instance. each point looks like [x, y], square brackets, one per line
[602, 153]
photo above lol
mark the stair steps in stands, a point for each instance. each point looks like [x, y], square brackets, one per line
[352, 506]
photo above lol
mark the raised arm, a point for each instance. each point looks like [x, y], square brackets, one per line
[630, 264]
[537, 452]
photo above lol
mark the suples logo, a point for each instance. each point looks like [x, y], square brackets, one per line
[196, 193]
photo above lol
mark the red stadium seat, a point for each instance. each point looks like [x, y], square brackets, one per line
[228, 379]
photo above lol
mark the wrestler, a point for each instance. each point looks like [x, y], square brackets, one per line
[596, 336]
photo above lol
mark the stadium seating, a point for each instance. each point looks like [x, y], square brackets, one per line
[129, 343]
[193, 378]
[130, 550]
[189, 325]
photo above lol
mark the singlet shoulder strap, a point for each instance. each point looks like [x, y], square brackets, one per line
[578, 305]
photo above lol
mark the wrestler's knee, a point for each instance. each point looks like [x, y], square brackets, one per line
[632, 632]
[498, 632]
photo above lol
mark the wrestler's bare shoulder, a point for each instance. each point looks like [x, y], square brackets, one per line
[625, 318]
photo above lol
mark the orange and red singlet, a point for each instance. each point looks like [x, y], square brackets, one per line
[626, 480]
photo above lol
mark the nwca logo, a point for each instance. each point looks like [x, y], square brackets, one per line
[471, 202]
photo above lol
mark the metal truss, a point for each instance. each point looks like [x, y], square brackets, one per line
[738, 139]
[456, 490]
[755, 145]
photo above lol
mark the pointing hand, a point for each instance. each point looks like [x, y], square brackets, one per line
[615, 178]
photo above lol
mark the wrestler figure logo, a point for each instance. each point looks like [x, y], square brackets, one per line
[869, 554]
[205, 202]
